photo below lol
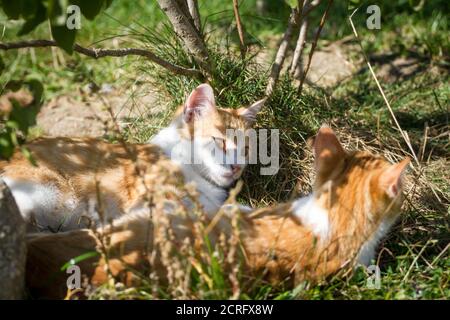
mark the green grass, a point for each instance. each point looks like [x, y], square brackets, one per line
[414, 259]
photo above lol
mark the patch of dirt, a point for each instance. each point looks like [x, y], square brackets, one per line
[392, 67]
[331, 65]
[336, 62]
[86, 114]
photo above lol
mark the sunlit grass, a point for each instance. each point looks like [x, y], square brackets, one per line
[414, 259]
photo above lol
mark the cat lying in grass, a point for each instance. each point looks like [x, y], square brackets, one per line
[79, 183]
[356, 198]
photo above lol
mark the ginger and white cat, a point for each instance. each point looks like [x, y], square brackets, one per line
[77, 181]
[356, 198]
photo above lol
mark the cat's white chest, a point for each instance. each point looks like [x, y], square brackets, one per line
[210, 196]
[312, 216]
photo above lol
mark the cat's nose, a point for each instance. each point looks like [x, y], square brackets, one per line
[235, 168]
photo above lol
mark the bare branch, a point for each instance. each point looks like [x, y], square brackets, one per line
[314, 45]
[195, 14]
[303, 22]
[100, 53]
[281, 53]
[183, 4]
[310, 6]
[184, 7]
[297, 62]
[187, 33]
[301, 41]
[239, 28]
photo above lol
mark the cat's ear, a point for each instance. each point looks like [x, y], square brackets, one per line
[200, 102]
[327, 148]
[391, 178]
[249, 113]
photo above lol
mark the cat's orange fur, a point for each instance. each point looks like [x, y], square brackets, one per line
[358, 191]
[84, 168]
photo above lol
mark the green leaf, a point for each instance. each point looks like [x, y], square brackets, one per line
[29, 8]
[417, 7]
[6, 145]
[19, 116]
[4, 142]
[6, 150]
[108, 3]
[30, 24]
[36, 88]
[292, 3]
[12, 125]
[216, 272]
[80, 258]
[56, 12]
[12, 8]
[2, 65]
[14, 85]
[23, 118]
[27, 154]
[90, 9]
[64, 37]
[353, 4]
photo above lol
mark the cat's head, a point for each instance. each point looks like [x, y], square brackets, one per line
[358, 182]
[212, 134]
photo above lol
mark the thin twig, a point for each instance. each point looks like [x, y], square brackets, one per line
[415, 260]
[310, 6]
[424, 144]
[405, 137]
[296, 66]
[300, 44]
[440, 254]
[100, 53]
[281, 53]
[314, 45]
[239, 28]
[194, 12]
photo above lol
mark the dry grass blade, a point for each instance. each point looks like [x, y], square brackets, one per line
[404, 135]
[240, 29]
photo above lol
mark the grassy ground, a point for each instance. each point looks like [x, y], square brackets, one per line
[414, 259]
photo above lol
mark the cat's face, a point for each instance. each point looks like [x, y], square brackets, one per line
[219, 150]
[366, 183]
